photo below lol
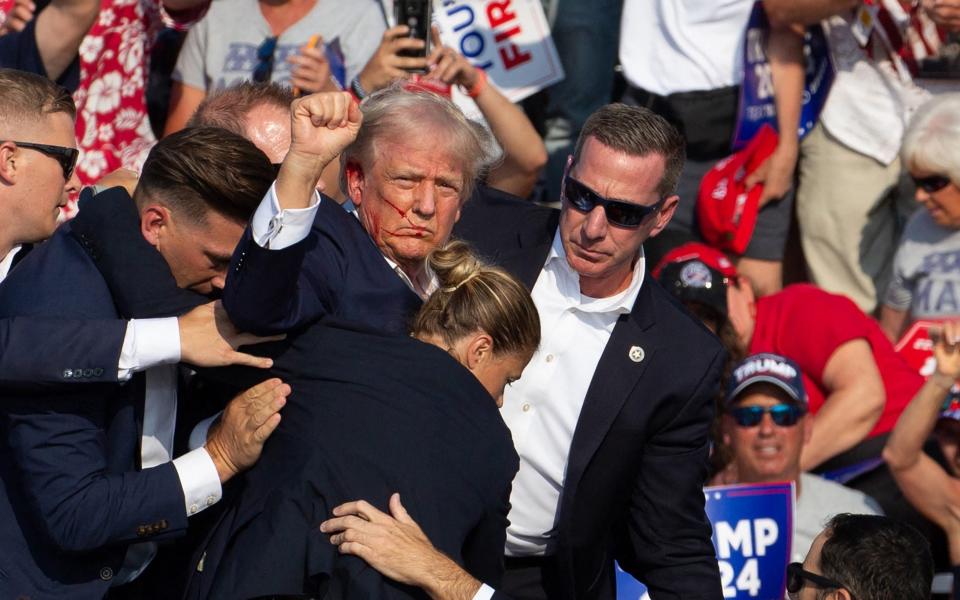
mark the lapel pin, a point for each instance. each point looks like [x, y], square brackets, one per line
[636, 354]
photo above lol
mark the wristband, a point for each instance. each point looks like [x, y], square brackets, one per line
[357, 88]
[478, 85]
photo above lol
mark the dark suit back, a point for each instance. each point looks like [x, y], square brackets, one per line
[370, 414]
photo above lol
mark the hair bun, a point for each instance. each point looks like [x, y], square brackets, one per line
[454, 265]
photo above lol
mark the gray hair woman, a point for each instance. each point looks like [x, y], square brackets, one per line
[926, 270]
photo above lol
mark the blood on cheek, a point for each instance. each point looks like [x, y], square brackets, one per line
[418, 230]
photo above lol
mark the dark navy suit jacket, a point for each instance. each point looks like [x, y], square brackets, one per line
[72, 497]
[370, 414]
[637, 463]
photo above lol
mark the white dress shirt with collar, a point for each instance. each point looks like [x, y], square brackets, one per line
[543, 407]
[7, 262]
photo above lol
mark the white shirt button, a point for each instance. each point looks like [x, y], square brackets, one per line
[193, 509]
[526, 408]
[211, 500]
[550, 358]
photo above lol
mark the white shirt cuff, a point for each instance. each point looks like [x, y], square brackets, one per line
[199, 480]
[198, 437]
[484, 593]
[148, 343]
[277, 229]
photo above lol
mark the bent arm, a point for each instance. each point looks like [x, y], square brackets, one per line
[893, 322]
[184, 100]
[60, 28]
[855, 402]
[524, 154]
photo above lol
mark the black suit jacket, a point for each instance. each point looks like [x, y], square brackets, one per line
[638, 460]
[370, 414]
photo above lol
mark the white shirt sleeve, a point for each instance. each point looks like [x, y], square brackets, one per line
[484, 593]
[148, 343]
[199, 480]
[277, 229]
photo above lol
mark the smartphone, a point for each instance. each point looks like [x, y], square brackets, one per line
[415, 14]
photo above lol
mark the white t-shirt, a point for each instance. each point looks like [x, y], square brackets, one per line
[221, 50]
[821, 499]
[669, 46]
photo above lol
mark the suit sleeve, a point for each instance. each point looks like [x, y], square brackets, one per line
[270, 291]
[59, 448]
[667, 539]
[43, 352]
[483, 548]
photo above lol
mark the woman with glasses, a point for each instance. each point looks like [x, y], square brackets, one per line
[926, 270]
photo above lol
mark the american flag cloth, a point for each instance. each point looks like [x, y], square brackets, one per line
[901, 33]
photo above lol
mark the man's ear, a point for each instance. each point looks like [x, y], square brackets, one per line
[154, 220]
[665, 214]
[479, 350]
[840, 594]
[354, 176]
[8, 163]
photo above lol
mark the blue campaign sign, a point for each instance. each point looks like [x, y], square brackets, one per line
[752, 534]
[757, 105]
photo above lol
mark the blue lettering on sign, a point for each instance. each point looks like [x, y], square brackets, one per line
[471, 45]
[467, 22]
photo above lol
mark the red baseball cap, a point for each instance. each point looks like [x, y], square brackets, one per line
[726, 211]
[711, 257]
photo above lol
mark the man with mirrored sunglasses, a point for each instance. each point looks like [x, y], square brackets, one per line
[766, 424]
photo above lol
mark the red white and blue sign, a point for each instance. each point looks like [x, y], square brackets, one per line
[752, 533]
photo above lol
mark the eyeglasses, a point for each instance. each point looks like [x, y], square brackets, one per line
[67, 157]
[623, 214]
[796, 577]
[931, 184]
[265, 51]
[784, 415]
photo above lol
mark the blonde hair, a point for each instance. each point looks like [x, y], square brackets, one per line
[474, 296]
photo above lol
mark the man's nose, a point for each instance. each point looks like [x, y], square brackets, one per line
[426, 204]
[72, 185]
[595, 227]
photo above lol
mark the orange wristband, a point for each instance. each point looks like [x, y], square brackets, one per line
[478, 85]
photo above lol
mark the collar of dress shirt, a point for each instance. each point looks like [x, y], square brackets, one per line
[568, 282]
[7, 261]
[427, 282]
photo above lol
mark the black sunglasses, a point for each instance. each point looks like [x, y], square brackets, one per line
[784, 415]
[67, 157]
[931, 184]
[265, 51]
[619, 212]
[796, 577]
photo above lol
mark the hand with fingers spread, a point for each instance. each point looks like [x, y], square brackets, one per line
[311, 70]
[322, 125]
[18, 17]
[395, 546]
[209, 339]
[236, 440]
[387, 64]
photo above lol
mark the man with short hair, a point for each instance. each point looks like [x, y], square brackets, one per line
[864, 557]
[765, 425]
[90, 483]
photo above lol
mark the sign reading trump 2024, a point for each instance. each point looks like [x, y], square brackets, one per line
[509, 39]
[752, 533]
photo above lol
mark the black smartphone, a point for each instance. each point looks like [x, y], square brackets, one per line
[415, 14]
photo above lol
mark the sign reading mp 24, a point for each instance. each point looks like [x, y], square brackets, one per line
[509, 39]
[752, 533]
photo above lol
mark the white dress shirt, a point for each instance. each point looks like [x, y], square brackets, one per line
[7, 262]
[543, 407]
[275, 228]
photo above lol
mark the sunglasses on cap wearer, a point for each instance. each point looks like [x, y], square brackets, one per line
[784, 415]
[67, 157]
[931, 184]
[265, 51]
[796, 578]
[619, 212]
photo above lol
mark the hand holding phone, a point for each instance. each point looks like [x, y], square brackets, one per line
[416, 15]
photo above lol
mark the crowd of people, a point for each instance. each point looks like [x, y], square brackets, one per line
[277, 319]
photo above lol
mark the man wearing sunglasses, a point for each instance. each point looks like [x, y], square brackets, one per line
[766, 424]
[863, 557]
